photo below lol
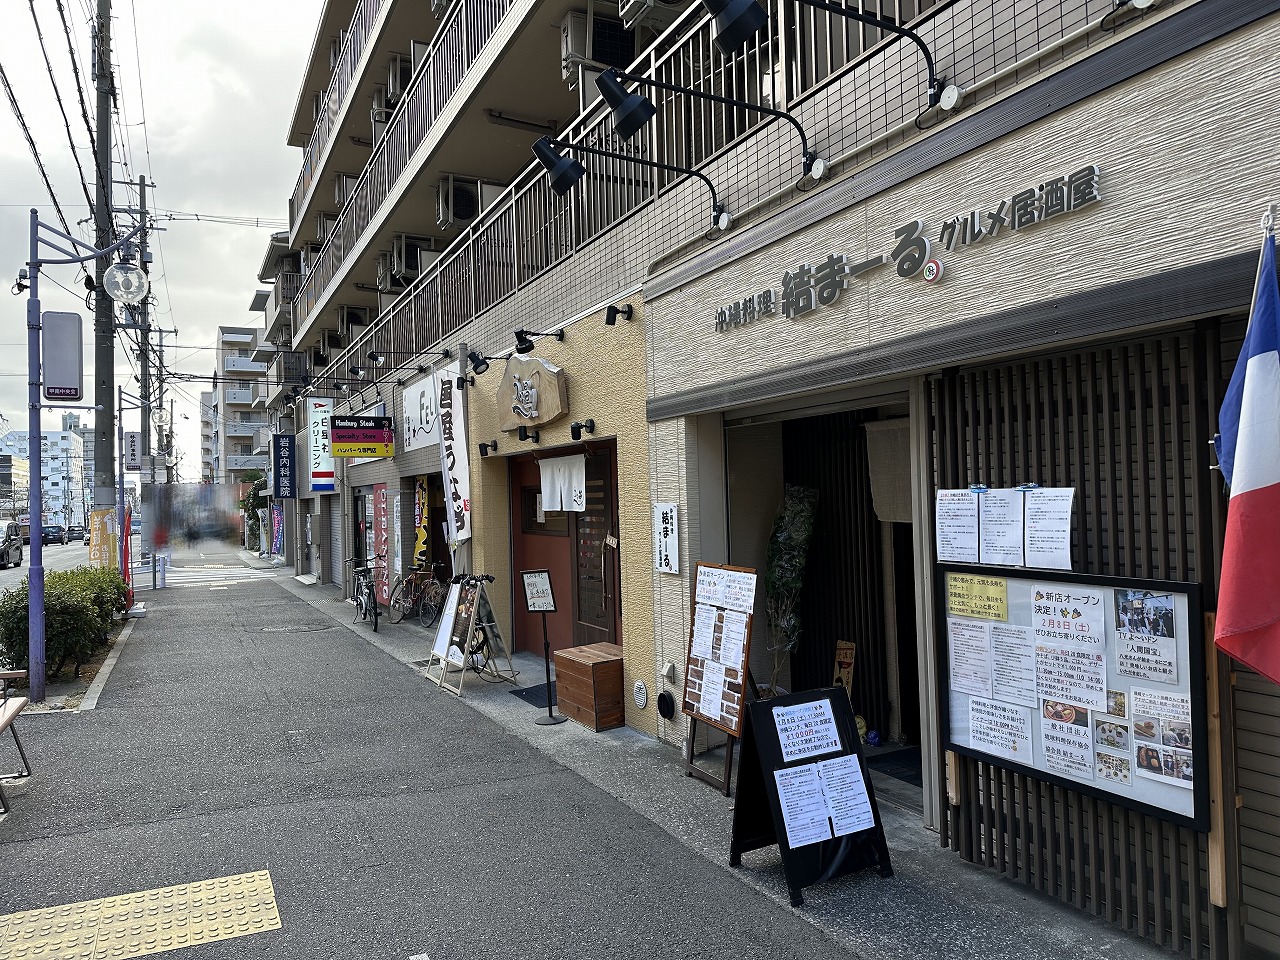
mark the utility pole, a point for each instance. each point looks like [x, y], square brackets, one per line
[170, 459]
[144, 361]
[104, 335]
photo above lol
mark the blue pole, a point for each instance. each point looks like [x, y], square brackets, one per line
[120, 504]
[35, 582]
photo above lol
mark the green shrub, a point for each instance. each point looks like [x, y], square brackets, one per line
[79, 605]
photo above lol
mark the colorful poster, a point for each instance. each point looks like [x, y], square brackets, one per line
[1075, 614]
[970, 646]
[1073, 674]
[1000, 729]
[1146, 647]
[1047, 513]
[104, 538]
[956, 518]
[421, 515]
[319, 456]
[277, 529]
[1066, 740]
[1000, 527]
[397, 538]
[806, 730]
[975, 595]
[1013, 664]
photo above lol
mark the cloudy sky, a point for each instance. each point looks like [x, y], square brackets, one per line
[206, 91]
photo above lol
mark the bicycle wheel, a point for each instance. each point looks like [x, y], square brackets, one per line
[430, 603]
[401, 603]
[373, 606]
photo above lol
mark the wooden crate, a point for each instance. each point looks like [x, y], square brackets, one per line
[589, 684]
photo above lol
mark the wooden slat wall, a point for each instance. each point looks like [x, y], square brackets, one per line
[1125, 425]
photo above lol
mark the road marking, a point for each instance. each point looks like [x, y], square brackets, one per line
[140, 924]
[219, 588]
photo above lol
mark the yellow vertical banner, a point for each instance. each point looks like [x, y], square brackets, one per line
[104, 539]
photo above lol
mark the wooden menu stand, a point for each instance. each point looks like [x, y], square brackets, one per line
[723, 782]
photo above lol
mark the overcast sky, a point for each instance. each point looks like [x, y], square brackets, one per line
[215, 85]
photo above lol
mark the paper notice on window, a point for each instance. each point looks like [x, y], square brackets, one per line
[956, 516]
[806, 730]
[1061, 612]
[969, 643]
[733, 637]
[1047, 515]
[848, 803]
[711, 701]
[1013, 664]
[1000, 729]
[1001, 537]
[704, 631]
[1066, 740]
[1076, 675]
[804, 806]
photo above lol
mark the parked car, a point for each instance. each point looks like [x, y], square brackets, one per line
[54, 533]
[11, 547]
[75, 533]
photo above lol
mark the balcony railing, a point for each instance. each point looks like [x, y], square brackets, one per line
[243, 365]
[262, 440]
[257, 462]
[454, 48]
[331, 104]
[281, 308]
[240, 428]
[239, 395]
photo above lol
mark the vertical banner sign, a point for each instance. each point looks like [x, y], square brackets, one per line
[421, 419]
[133, 451]
[104, 542]
[396, 528]
[453, 454]
[62, 356]
[381, 541]
[318, 454]
[421, 514]
[277, 528]
[282, 462]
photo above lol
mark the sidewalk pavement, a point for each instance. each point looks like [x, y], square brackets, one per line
[935, 905]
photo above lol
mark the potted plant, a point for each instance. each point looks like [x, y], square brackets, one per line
[784, 573]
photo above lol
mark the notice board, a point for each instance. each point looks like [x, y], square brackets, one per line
[1095, 683]
[803, 785]
[719, 645]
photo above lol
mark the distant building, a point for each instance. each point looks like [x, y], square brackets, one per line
[238, 409]
[15, 486]
[62, 474]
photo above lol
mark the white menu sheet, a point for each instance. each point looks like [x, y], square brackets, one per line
[704, 626]
[848, 802]
[804, 807]
[806, 730]
[1000, 513]
[956, 514]
[1048, 527]
[970, 656]
[733, 637]
[710, 704]
[1013, 664]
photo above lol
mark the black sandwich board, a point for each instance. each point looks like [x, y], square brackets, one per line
[802, 751]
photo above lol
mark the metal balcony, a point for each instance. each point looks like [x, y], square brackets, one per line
[256, 462]
[243, 365]
[280, 309]
[243, 396]
[241, 428]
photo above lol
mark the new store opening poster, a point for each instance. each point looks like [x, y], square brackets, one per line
[1096, 682]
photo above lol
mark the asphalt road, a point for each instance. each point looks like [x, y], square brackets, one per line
[57, 556]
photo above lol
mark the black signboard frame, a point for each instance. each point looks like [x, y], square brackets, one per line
[1199, 821]
[757, 811]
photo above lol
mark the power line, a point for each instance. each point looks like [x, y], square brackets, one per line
[57, 95]
[75, 70]
[35, 154]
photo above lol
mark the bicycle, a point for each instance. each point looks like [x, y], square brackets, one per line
[419, 591]
[364, 592]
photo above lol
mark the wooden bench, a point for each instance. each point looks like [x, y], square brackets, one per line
[10, 707]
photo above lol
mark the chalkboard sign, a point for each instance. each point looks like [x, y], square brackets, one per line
[803, 785]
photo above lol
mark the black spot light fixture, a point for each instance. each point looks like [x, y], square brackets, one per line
[524, 339]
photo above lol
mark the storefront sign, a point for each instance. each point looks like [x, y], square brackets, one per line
[133, 451]
[666, 538]
[283, 486]
[809, 286]
[361, 436]
[277, 529]
[318, 454]
[454, 465]
[1095, 682]
[533, 393]
[381, 542]
[421, 419]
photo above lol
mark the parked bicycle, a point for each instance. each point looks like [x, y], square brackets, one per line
[364, 590]
[420, 592]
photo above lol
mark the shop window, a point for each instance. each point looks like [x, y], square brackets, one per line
[533, 519]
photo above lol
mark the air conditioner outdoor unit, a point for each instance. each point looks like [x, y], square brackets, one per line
[343, 184]
[334, 340]
[388, 282]
[418, 50]
[609, 41]
[411, 255]
[438, 8]
[399, 76]
[310, 256]
[657, 15]
[462, 199]
[350, 317]
[380, 113]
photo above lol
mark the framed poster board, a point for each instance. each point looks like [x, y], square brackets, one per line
[538, 597]
[719, 645]
[1093, 683]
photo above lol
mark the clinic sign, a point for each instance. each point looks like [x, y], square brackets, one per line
[811, 286]
[283, 471]
[319, 458]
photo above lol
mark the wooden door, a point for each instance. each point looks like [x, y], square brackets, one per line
[597, 611]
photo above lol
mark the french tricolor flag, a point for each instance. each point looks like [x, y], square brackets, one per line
[1248, 621]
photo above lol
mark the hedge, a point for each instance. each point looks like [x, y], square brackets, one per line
[79, 607]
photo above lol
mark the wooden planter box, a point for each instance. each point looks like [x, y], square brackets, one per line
[589, 685]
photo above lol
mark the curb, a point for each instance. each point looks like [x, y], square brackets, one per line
[90, 700]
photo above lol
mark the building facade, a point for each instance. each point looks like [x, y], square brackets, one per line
[62, 477]
[15, 486]
[998, 288]
[238, 407]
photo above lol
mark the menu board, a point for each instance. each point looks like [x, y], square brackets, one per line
[1094, 682]
[719, 645]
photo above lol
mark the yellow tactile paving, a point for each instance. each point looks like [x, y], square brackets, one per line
[139, 924]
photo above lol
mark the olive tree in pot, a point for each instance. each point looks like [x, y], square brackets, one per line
[784, 573]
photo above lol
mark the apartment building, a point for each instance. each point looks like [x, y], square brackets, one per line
[991, 285]
[15, 486]
[209, 460]
[62, 476]
[238, 405]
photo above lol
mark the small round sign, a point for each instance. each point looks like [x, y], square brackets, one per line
[933, 271]
[640, 693]
[125, 283]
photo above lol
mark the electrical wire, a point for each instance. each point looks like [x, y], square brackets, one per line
[57, 95]
[35, 154]
[75, 70]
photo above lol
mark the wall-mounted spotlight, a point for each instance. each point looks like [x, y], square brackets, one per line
[478, 363]
[1123, 7]
[343, 387]
[578, 428]
[357, 372]
[631, 111]
[524, 434]
[612, 313]
[376, 358]
[488, 448]
[564, 172]
[524, 343]
[737, 21]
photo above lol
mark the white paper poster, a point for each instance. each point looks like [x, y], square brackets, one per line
[848, 802]
[1075, 675]
[731, 589]
[1066, 742]
[710, 703]
[806, 730]
[1013, 664]
[733, 637]
[956, 516]
[1000, 729]
[1048, 527]
[804, 807]
[970, 645]
[1067, 613]
[1000, 525]
[704, 629]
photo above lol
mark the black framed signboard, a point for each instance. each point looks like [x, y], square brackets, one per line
[1094, 683]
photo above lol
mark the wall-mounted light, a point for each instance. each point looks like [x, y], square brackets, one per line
[578, 428]
[357, 372]
[376, 358]
[524, 343]
[343, 387]
[612, 313]
[479, 364]
[1125, 6]
[524, 434]
[488, 448]
[564, 172]
[736, 21]
[631, 111]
